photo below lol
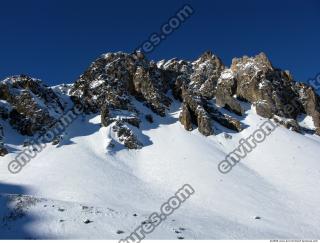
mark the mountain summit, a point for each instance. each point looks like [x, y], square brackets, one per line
[117, 84]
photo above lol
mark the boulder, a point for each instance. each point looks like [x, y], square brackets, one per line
[3, 151]
[185, 118]
[204, 122]
[126, 136]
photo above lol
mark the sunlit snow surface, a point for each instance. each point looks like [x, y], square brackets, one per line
[83, 179]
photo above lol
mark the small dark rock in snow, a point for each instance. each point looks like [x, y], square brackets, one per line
[61, 220]
[181, 228]
[3, 151]
[149, 118]
[87, 221]
[227, 136]
[257, 217]
[135, 215]
[180, 237]
[56, 140]
[120, 232]
[61, 210]
[177, 231]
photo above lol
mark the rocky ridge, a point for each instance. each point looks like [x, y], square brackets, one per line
[114, 83]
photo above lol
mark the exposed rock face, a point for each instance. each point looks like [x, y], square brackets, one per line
[310, 102]
[204, 122]
[261, 84]
[251, 79]
[185, 118]
[198, 115]
[226, 88]
[28, 104]
[113, 81]
[115, 78]
[195, 84]
[3, 150]
[271, 90]
[207, 70]
[117, 84]
[149, 85]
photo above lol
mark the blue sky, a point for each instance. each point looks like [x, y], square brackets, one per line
[56, 40]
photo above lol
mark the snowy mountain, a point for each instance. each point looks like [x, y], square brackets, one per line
[142, 131]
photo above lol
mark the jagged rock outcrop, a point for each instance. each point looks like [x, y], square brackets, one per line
[195, 84]
[115, 78]
[117, 84]
[113, 83]
[202, 114]
[199, 116]
[29, 105]
[150, 85]
[271, 90]
[258, 82]
[252, 79]
[185, 117]
[207, 70]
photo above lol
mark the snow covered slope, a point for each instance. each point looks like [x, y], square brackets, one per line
[84, 190]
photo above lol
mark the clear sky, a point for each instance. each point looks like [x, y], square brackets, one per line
[56, 40]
